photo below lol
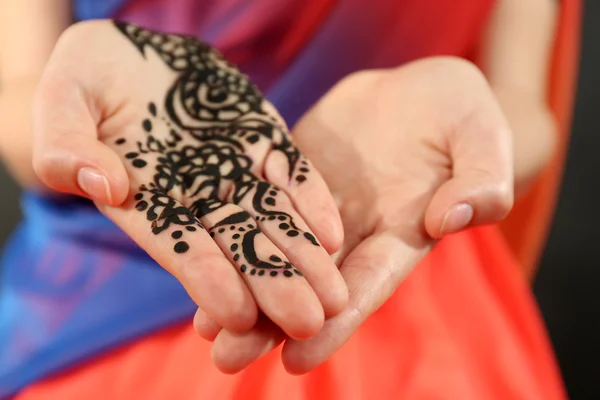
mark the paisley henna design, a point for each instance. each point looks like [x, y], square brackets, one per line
[212, 114]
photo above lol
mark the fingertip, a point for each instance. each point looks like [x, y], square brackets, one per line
[218, 290]
[242, 319]
[223, 365]
[119, 185]
[241, 315]
[296, 369]
[108, 163]
[238, 316]
[206, 327]
[306, 325]
[227, 359]
[330, 230]
[300, 315]
[231, 353]
[82, 166]
[310, 196]
[229, 362]
[295, 360]
[337, 301]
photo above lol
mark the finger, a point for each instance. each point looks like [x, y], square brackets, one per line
[232, 352]
[372, 271]
[481, 188]
[205, 326]
[287, 230]
[280, 162]
[67, 155]
[177, 241]
[279, 288]
[308, 192]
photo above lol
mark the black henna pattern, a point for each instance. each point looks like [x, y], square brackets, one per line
[213, 113]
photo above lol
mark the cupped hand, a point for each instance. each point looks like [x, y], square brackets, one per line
[410, 155]
[181, 150]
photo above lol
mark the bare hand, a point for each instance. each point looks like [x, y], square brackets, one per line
[410, 155]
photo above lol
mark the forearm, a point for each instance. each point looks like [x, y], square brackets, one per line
[515, 56]
[15, 130]
[534, 134]
[28, 31]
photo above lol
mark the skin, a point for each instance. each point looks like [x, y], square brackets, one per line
[104, 126]
[395, 206]
[516, 51]
[38, 24]
[380, 248]
[515, 55]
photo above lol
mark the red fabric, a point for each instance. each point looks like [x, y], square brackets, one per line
[462, 326]
[527, 226]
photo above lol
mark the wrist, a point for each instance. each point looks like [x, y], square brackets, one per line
[15, 133]
[534, 133]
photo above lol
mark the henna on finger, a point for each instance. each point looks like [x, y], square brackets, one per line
[197, 139]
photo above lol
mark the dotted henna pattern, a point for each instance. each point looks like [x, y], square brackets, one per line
[213, 113]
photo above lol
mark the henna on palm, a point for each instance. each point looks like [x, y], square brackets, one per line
[213, 115]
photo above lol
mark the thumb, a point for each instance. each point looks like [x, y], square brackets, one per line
[373, 271]
[481, 188]
[67, 155]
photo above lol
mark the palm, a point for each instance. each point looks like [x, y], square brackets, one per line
[213, 175]
[384, 166]
[396, 164]
[198, 148]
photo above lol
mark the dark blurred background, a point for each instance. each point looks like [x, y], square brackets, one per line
[9, 206]
[568, 282]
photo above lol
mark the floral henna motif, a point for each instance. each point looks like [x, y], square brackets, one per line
[213, 113]
[243, 232]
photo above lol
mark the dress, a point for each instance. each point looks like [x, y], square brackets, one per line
[104, 320]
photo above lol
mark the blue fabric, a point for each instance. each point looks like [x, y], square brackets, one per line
[75, 285]
[95, 9]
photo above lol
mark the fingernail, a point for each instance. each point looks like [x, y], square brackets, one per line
[457, 218]
[94, 183]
